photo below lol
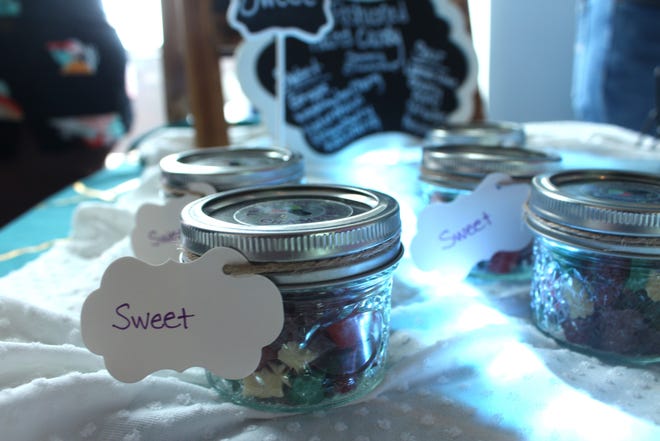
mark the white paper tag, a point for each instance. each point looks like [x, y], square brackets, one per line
[155, 238]
[145, 318]
[455, 236]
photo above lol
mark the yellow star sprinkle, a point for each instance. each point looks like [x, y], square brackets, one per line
[267, 382]
[295, 357]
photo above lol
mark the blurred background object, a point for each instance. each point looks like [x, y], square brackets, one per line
[63, 98]
[617, 50]
[525, 51]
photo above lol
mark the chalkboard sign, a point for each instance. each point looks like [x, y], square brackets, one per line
[386, 66]
[306, 19]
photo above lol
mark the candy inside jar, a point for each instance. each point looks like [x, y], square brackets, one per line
[331, 251]
[598, 302]
[596, 280]
[451, 171]
[332, 348]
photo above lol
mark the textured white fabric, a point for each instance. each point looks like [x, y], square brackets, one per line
[464, 362]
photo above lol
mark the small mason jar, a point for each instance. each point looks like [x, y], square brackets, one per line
[491, 133]
[331, 251]
[596, 280]
[451, 171]
[225, 168]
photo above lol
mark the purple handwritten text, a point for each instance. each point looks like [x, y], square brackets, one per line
[157, 239]
[168, 320]
[450, 239]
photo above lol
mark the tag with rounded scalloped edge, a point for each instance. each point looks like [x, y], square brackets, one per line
[155, 239]
[146, 318]
[455, 236]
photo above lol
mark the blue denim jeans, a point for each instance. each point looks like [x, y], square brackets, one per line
[617, 49]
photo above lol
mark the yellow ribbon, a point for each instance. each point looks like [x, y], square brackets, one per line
[28, 250]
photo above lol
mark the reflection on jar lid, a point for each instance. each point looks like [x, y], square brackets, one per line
[616, 210]
[464, 166]
[231, 167]
[490, 133]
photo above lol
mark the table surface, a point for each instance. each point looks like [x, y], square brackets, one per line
[465, 362]
[34, 232]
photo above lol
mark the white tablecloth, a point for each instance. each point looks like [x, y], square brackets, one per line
[465, 363]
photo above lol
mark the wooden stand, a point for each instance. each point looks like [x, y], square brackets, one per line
[190, 40]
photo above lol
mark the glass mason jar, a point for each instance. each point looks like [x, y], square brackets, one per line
[451, 171]
[331, 251]
[225, 168]
[596, 280]
[491, 133]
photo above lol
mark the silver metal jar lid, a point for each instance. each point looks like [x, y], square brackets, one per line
[604, 209]
[299, 223]
[464, 166]
[232, 167]
[478, 133]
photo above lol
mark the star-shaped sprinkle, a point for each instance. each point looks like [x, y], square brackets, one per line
[653, 286]
[295, 357]
[267, 382]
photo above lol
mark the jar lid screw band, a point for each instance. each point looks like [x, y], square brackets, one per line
[600, 241]
[301, 267]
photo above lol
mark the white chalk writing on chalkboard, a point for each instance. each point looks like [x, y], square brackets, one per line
[331, 116]
[382, 14]
[427, 79]
[395, 66]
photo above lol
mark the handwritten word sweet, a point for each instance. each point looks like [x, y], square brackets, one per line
[167, 237]
[169, 320]
[465, 232]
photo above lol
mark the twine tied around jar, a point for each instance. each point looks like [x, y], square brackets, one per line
[617, 240]
[304, 266]
[180, 192]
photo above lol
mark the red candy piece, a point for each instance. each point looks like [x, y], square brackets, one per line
[345, 384]
[504, 262]
[353, 330]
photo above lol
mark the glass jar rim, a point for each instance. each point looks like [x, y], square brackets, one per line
[464, 166]
[492, 133]
[231, 167]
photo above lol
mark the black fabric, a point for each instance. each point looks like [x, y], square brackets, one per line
[34, 77]
[67, 11]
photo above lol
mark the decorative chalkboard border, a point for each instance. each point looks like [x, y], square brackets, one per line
[307, 20]
[401, 66]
